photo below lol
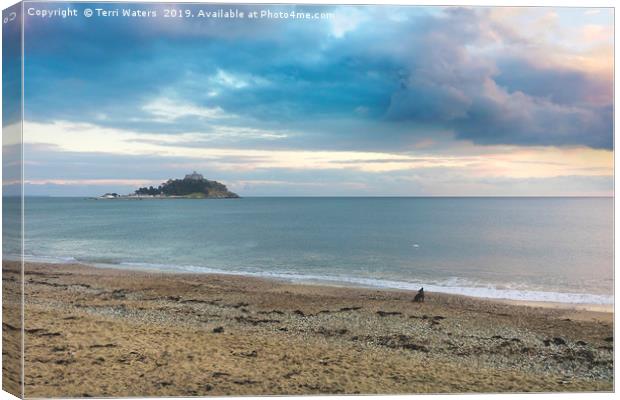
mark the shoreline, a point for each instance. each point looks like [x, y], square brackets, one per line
[110, 332]
[350, 282]
[597, 308]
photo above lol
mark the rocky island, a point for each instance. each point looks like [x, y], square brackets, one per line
[193, 186]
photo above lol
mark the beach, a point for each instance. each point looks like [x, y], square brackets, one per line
[109, 332]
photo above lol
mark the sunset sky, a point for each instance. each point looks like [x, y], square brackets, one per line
[377, 101]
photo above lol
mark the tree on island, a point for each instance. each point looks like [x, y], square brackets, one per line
[189, 186]
[148, 191]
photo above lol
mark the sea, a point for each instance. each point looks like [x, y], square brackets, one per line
[537, 249]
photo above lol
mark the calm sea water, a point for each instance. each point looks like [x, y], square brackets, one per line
[554, 249]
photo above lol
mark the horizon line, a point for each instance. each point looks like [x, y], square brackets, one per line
[358, 196]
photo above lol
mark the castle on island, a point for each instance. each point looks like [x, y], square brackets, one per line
[195, 176]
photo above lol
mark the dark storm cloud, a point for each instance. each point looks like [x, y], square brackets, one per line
[514, 102]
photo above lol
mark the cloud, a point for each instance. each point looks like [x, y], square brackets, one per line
[167, 110]
[237, 81]
[90, 182]
[66, 137]
[500, 101]
[476, 72]
[597, 33]
[85, 137]
[347, 19]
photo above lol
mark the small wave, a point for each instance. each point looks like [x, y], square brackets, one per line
[453, 285]
[49, 260]
[99, 260]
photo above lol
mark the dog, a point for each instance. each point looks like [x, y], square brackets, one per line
[419, 297]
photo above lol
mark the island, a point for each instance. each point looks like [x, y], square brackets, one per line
[193, 186]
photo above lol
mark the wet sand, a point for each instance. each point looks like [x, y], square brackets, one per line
[106, 332]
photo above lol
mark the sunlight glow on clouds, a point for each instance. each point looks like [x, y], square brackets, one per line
[229, 80]
[512, 162]
[167, 110]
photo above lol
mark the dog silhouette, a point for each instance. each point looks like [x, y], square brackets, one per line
[419, 297]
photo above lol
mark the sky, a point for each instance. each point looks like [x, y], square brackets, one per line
[372, 101]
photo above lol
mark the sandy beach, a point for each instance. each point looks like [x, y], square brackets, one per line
[106, 332]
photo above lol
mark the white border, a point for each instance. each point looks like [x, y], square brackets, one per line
[513, 3]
